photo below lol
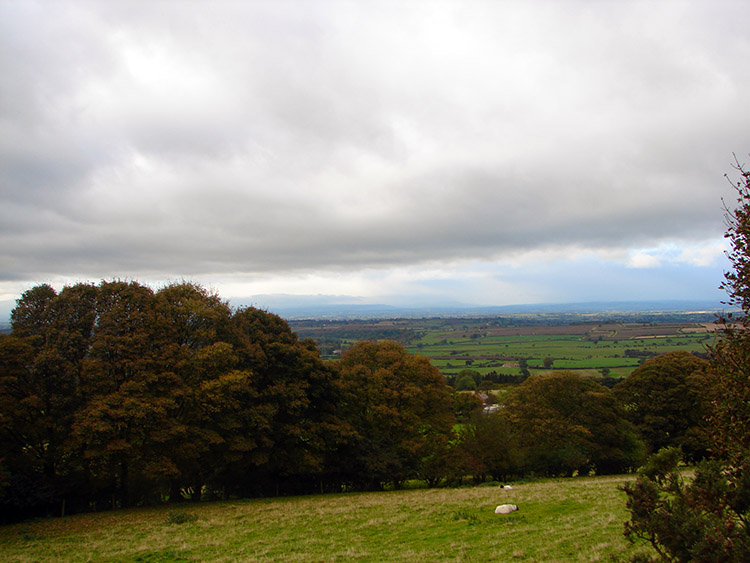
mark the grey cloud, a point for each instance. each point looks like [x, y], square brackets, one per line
[260, 139]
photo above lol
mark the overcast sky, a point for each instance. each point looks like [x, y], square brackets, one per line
[393, 152]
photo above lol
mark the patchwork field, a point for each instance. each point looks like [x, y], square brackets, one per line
[490, 346]
[577, 519]
[615, 348]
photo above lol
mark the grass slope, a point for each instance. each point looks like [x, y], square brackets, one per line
[578, 519]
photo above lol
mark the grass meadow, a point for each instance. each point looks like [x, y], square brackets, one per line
[490, 346]
[576, 519]
[620, 352]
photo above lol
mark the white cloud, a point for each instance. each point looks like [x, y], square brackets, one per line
[641, 259]
[698, 254]
[704, 254]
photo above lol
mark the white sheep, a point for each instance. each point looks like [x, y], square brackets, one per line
[506, 508]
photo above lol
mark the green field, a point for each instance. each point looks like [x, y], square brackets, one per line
[575, 519]
[491, 345]
[618, 349]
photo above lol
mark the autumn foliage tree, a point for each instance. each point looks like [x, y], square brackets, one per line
[292, 416]
[487, 445]
[114, 394]
[123, 427]
[400, 412]
[41, 370]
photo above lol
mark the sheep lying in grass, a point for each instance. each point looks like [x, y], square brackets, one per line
[506, 508]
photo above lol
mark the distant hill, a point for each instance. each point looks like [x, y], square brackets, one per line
[332, 310]
[327, 307]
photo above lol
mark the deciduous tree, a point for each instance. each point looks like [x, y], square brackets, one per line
[125, 422]
[666, 398]
[570, 424]
[41, 367]
[489, 445]
[398, 405]
[292, 409]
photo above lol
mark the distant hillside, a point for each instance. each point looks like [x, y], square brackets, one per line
[325, 308]
[706, 310]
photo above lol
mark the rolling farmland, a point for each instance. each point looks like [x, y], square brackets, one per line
[489, 346]
[619, 348]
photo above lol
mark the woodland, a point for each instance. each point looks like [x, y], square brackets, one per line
[115, 395]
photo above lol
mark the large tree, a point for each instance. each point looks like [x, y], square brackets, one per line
[568, 424]
[41, 365]
[191, 328]
[399, 408]
[666, 399]
[487, 445]
[285, 405]
[123, 427]
[707, 518]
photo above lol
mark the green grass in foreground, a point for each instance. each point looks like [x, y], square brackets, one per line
[579, 519]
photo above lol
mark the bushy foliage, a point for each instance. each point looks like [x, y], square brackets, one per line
[399, 409]
[115, 394]
[465, 404]
[571, 424]
[465, 383]
[666, 398]
[486, 446]
[695, 519]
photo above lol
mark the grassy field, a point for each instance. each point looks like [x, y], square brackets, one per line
[588, 349]
[490, 345]
[577, 519]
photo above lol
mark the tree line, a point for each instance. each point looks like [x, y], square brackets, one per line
[114, 395]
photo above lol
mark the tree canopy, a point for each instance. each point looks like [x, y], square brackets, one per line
[115, 394]
[571, 424]
[666, 398]
[399, 408]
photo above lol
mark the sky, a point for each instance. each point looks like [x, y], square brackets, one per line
[407, 153]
